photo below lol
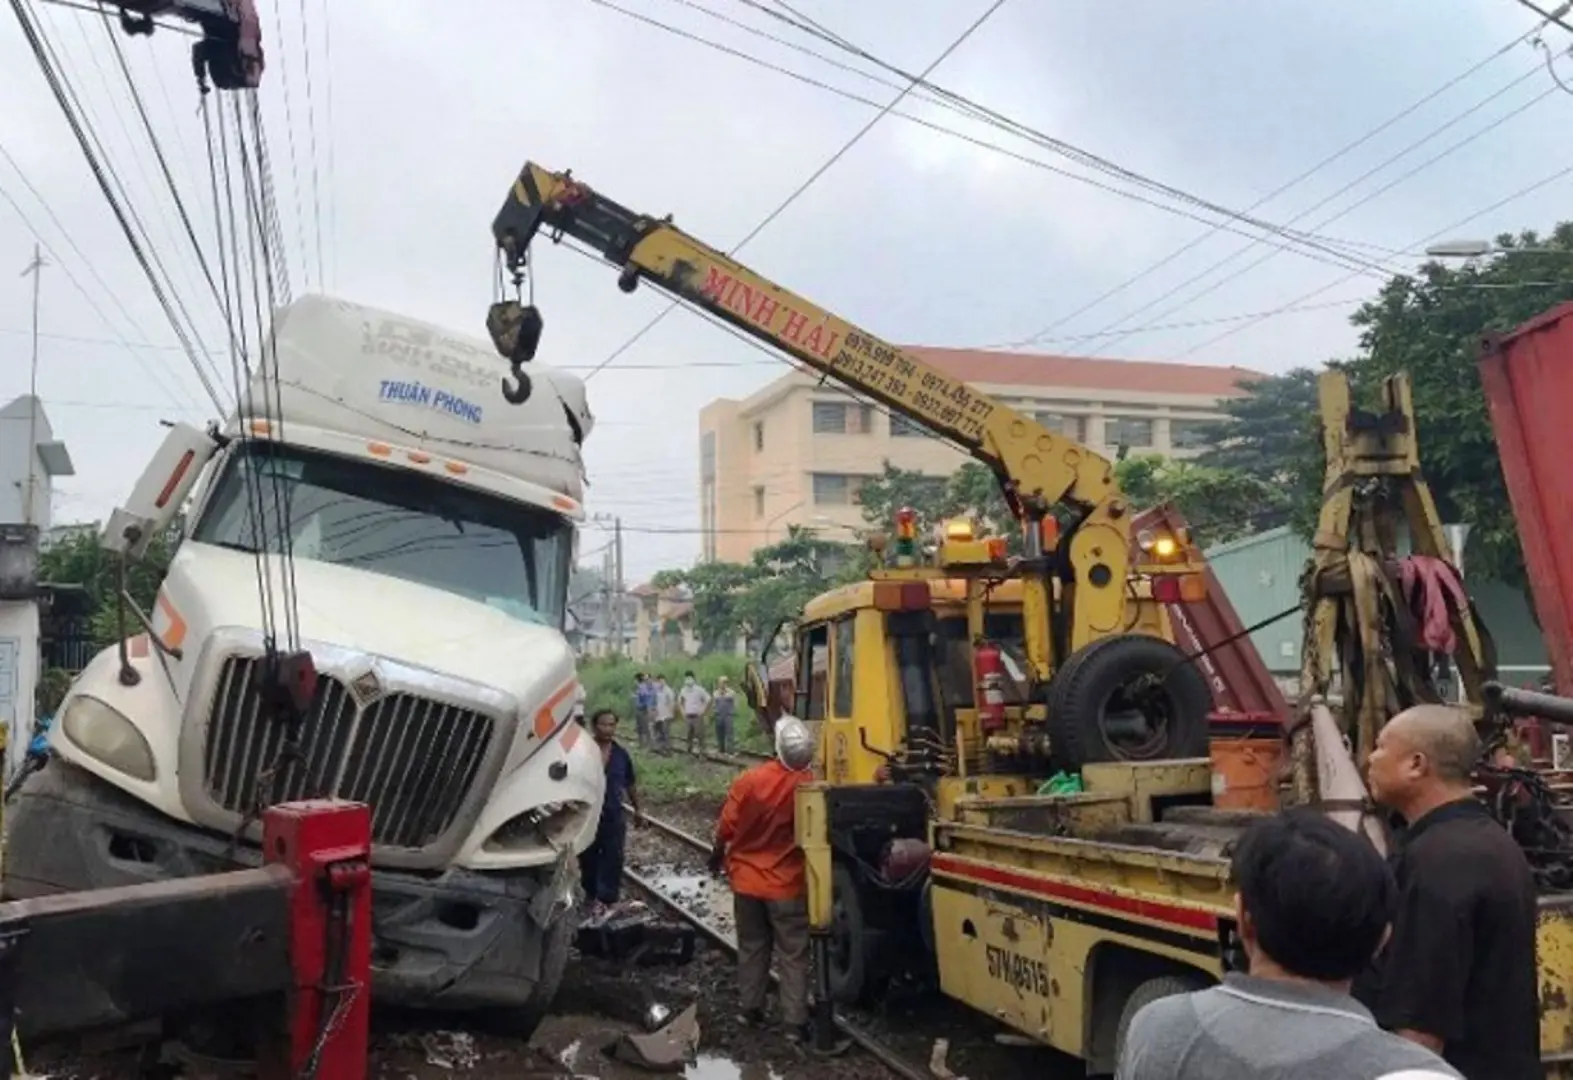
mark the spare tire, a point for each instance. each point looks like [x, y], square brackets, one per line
[1129, 697]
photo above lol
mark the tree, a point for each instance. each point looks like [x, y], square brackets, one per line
[79, 559]
[749, 599]
[1430, 326]
[1219, 504]
[971, 491]
[1273, 435]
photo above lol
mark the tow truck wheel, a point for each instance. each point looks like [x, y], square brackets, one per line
[1146, 993]
[853, 977]
[1130, 697]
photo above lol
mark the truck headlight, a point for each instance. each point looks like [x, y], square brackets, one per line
[104, 733]
[552, 824]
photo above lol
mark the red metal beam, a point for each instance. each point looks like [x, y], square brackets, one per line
[297, 930]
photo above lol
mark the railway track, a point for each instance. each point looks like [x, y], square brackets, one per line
[723, 936]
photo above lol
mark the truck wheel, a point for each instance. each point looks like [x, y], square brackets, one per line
[522, 1020]
[1131, 697]
[1145, 994]
[853, 977]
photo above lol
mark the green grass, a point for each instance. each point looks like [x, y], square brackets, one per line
[667, 777]
[609, 684]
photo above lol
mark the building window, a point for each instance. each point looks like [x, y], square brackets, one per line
[1190, 434]
[1072, 427]
[707, 519]
[1127, 431]
[707, 456]
[759, 502]
[838, 418]
[903, 428]
[836, 489]
[759, 436]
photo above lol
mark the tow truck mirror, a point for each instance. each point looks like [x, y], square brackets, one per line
[161, 491]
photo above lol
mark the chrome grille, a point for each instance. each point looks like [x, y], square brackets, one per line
[411, 759]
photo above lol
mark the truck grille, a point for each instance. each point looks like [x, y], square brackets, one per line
[411, 759]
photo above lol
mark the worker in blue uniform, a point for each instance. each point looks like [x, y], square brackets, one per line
[601, 865]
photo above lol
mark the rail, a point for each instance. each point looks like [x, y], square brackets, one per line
[864, 1039]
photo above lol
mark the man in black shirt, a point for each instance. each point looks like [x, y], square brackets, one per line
[1458, 975]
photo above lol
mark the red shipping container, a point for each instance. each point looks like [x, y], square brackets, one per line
[1527, 377]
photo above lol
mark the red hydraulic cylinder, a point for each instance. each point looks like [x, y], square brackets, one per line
[327, 846]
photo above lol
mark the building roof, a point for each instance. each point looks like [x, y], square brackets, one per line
[1041, 370]
[1086, 372]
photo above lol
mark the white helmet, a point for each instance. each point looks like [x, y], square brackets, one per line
[794, 743]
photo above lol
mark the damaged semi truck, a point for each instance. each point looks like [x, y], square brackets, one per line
[366, 601]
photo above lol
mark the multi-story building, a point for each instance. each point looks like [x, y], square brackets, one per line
[797, 451]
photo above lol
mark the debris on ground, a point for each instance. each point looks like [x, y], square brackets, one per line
[451, 1050]
[671, 1049]
[939, 1061]
[631, 931]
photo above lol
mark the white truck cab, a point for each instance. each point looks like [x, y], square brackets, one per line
[379, 505]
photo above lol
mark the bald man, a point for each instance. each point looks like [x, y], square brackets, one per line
[1458, 975]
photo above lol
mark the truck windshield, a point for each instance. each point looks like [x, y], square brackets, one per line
[510, 555]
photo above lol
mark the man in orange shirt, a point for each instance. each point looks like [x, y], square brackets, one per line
[756, 841]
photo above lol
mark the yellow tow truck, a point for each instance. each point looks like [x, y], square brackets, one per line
[1075, 866]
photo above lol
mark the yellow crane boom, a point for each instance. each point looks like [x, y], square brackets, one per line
[1037, 468]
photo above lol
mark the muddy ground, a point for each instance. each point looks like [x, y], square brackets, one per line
[909, 1020]
[600, 1000]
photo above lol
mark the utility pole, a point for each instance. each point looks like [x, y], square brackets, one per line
[617, 586]
[36, 269]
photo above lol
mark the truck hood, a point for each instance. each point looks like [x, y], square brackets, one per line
[211, 587]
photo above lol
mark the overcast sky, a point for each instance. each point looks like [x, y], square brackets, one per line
[421, 115]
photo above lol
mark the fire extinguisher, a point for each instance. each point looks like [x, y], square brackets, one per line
[989, 667]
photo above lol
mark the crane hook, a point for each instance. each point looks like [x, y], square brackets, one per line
[515, 331]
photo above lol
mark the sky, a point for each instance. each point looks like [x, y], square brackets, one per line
[395, 127]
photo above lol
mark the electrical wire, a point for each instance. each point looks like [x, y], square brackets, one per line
[1293, 242]
[135, 349]
[1287, 186]
[57, 88]
[327, 95]
[1369, 197]
[282, 54]
[169, 179]
[813, 177]
[1065, 149]
[1313, 294]
[311, 123]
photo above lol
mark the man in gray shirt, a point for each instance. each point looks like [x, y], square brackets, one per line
[1314, 904]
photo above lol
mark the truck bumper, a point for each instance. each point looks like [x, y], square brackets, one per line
[459, 940]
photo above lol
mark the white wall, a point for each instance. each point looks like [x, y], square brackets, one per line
[15, 458]
[18, 675]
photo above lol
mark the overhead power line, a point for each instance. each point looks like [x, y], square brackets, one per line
[1421, 242]
[1288, 185]
[1061, 147]
[1300, 244]
[122, 214]
[134, 348]
[1369, 197]
[802, 188]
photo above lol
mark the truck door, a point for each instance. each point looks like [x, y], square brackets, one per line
[840, 731]
[813, 669]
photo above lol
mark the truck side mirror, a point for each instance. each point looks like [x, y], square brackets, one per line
[161, 491]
